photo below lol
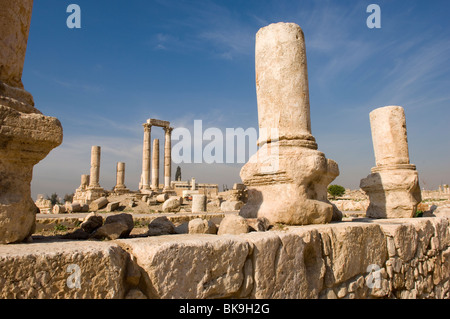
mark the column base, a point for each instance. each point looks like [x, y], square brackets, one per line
[285, 190]
[393, 193]
[25, 139]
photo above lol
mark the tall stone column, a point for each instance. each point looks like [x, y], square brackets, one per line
[26, 136]
[95, 167]
[167, 157]
[146, 158]
[155, 165]
[287, 178]
[120, 179]
[393, 187]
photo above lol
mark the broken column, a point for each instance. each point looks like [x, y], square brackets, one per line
[155, 165]
[167, 157]
[120, 179]
[287, 178]
[393, 187]
[199, 203]
[146, 157]
[26, 136]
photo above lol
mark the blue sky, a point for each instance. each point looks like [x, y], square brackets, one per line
[182, 61]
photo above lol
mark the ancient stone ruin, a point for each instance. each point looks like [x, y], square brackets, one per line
[393, 187]
[261, 252]
[281, 187]
[26, 135]
[152, 175]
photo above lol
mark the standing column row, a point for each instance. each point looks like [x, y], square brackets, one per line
[150, 170]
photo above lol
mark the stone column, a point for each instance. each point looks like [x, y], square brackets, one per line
[193, 184]
[282, 84]
[85, 181]
[198, 203]
[146, 157]
[26, 136]
[120, 179]
[167, 157]
[95, 167]
[155, 165]
[281, 187]
[393, 186]
[390, 143]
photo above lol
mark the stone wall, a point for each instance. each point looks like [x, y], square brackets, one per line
[403, 258]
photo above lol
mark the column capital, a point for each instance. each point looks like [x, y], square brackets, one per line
[168, 129]
[147, 127]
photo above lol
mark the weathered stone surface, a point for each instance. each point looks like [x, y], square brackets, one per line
[125, 219]
[229, 206]
[112, 206]
[48, 270]
[26, 136]
[350, 249]
[161, 198]
[98, 204]
[171, 205]
[186, 266]
[111, 231]
[199, 203]
[59, 209]
[258, 224]
[201, 226]
[280, 187]
[233, 225]
[276, 254]
[393, 187]
[161, 226]
[91, 222]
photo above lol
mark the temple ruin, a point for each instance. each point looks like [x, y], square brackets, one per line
[147, 184]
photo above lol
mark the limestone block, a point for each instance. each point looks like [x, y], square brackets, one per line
[201, 226]
[112, 206]
[404, 237]
[185, 266]
[98, 204]
[161, 226]
[258, 224]
[126, 219]
[111, 231]
[350, 249]
[234, 225]
[49, 270]
[393, 193]
[229, 206]
[91, 222]
[171, 205]
[275, 256]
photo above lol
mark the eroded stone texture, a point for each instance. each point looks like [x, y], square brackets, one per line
[26, 136]
[393, 187]
[188, 266]
[281, 187]
[49, 270]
